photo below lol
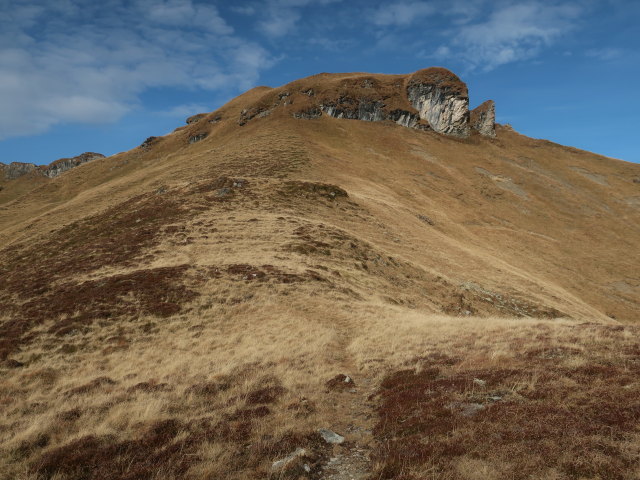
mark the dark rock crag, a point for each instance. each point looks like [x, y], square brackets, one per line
[16, 170]
[64, 164]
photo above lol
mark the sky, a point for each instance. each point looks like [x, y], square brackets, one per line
[81, 75]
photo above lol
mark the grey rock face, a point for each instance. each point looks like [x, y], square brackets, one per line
[309, 114]
[64, 164]
[17, 169]
[483, 118]
[197, 138]
[404, 118]
[370, 112]
[362, 110]
[446, 111]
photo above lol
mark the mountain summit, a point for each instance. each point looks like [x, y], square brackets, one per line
[349, 276]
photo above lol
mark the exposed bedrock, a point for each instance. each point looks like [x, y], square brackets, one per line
[60, 166]
[433, 98]
[17, 169]
[441, 99]
[483, 118]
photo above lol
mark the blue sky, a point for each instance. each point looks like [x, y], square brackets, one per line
[80, 75]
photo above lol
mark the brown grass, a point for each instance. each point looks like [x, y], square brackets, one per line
[192, 310]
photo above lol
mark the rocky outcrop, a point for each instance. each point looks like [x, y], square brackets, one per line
[64, 164]
[198, 137]
[17, 169]
[433, 98]
[483, 118]
[441, 99]
[355, 109]
[196, 118]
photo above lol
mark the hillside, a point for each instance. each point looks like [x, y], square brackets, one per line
[186, 309]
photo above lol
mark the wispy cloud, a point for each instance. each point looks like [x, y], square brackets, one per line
[84, 61]
[282, 16]
[185, 110]
[510, 33]
[402, 14]
[606, 54]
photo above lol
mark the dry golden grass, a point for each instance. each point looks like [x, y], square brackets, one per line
[176, 311]
[174, 370]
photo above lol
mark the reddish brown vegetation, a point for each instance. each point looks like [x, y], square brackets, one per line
[74, 307]
[572, 420]
[264, 395]
[340, 383]
[270, 273]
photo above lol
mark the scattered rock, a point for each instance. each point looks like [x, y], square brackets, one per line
[148, 142]
[258, 112]
[223, 192]
[480, 383]
[198, 137]
[426, 220]
[293, 461]
[331, 437]
[467, 409]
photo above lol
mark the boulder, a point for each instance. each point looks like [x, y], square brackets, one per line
[331, 437]
[483, 119]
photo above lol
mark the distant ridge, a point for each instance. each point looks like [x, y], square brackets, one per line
[16, 170]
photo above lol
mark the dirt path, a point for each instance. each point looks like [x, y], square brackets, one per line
[354, 420]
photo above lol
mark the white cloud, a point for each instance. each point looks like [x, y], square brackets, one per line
[510, 33]
[605, 54]
[185, 110]
[84, 61]
[402, 14]
[282, 16]
[244, 10]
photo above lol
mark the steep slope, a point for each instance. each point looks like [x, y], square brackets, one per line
[286, 238]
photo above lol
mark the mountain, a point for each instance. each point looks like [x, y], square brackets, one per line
[349, 254]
